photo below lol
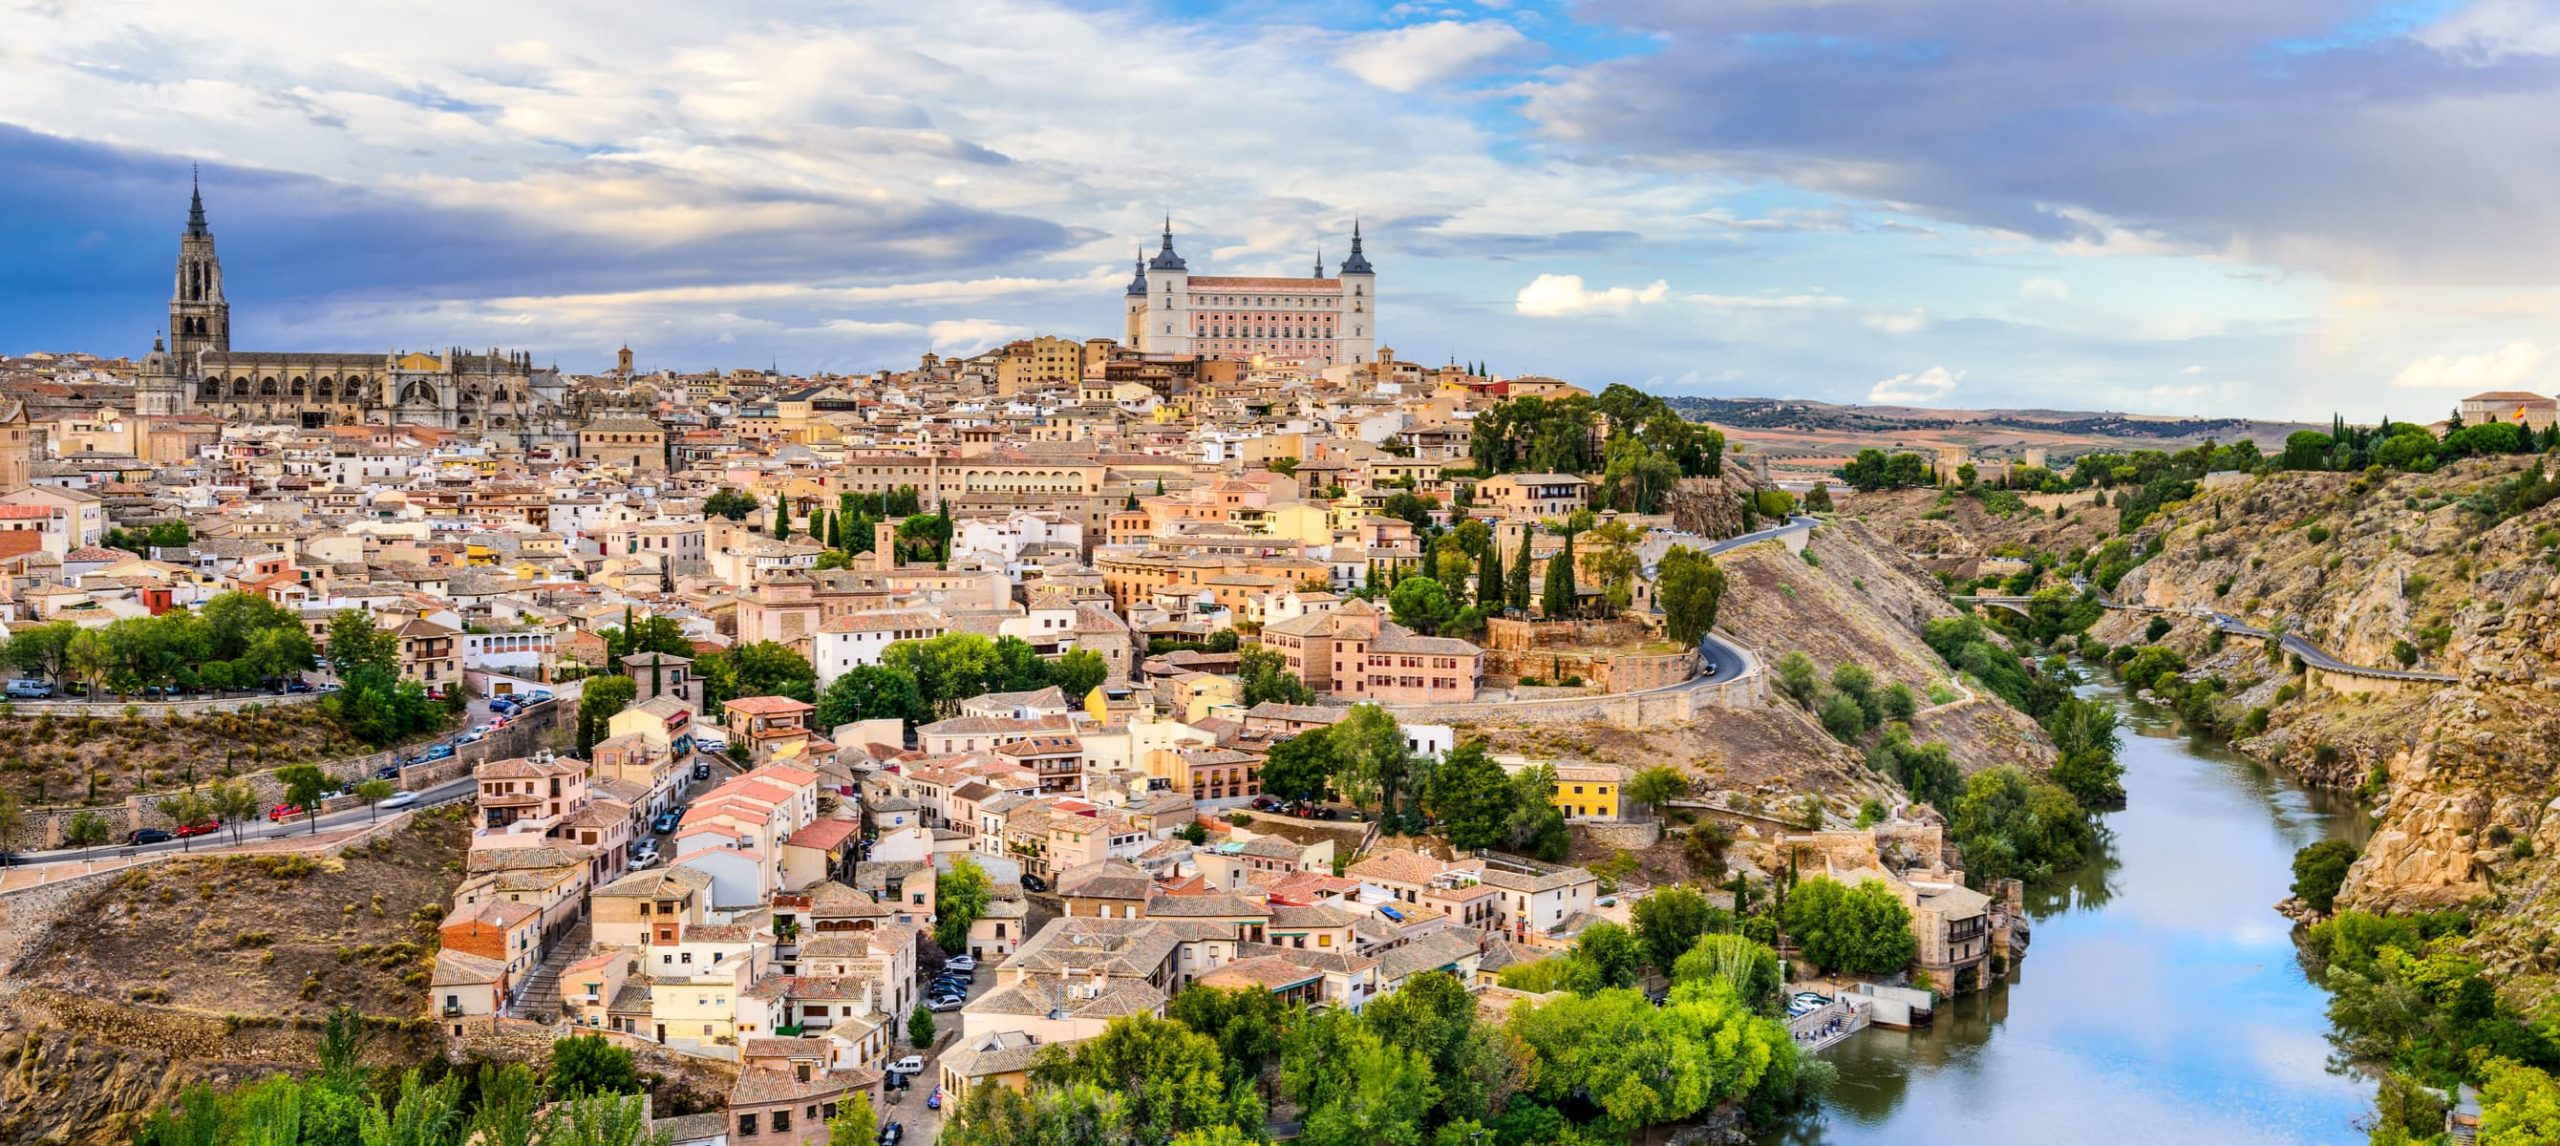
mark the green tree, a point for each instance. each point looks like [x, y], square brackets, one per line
[2518, 1104]
[959, 898]
[1490, 591]
[1613, 953]
[1818, 499]
[1266, 677]
[1859, 928]
[234, 803]
[599, 701]
[1560, 595]
[1421, 604]
[587, 1064]
[1471, 797]
[759, 668]
[2085, 742]
[728, 503]
[373, 792]
[1248, 1024]
[1374, 758]
[1301, 767]
[920, 1027]
[872, 692]
[85, 830]
[1843, 717]
[2011, 825]
[1799, 679]
[856, 1123]
[1671, 920]
[2320, 870]
[1077, 672]
[948, 669]
[1170, 1079]
[1537, 826]
[303, 784]
[1381, 1096]
[1657, 786]
[1746, 967]
[782, 517]
[1516, 578]
[1689, 588]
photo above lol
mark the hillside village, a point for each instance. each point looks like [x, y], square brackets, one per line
[854, 736]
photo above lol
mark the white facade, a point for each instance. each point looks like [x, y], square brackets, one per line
[1320, 321]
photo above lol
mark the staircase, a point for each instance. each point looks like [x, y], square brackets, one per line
[540, 993]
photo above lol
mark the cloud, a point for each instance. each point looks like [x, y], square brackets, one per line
[1403, 59]
[972, 335]
[1551, 296]
[1911, 321]
[2044, 288]
[2504, 368]
[2286, 132]
[1929, 385]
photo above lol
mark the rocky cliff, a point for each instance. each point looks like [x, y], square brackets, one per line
[2384, 570]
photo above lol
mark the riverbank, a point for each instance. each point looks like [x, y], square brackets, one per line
[2163, 1000]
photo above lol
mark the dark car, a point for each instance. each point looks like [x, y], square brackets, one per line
[1034, 883]
[147, 836]
[297, 684]
[893, 1133]
[387, 772]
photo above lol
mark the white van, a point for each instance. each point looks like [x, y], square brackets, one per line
[29, 690]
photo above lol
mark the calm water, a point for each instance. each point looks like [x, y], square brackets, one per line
[2160, 1002]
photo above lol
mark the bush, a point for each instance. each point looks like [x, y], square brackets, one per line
[2158, 628]
[1844, 718]
[2320, 870]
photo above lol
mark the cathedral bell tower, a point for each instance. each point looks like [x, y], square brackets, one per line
[199, 319]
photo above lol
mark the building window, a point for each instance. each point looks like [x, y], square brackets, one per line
[746, 1126]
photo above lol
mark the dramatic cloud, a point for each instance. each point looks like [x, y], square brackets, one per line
[1550, 296]
[1403, 59]
[1934, 384]
[2298, 132]
[2505, 368]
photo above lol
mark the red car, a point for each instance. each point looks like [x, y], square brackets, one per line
[198, 828]
[284, 811]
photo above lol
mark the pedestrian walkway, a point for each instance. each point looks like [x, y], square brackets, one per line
[540, 994]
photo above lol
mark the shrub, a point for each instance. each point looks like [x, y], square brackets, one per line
[2320, 870]
[2317, 534]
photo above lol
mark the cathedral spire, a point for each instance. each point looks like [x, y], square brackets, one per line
[1165, 259]
[195, 201]
[1358, 263]
[1319, 260]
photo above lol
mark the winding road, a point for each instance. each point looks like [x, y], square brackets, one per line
[2293, 643]
[444, 793]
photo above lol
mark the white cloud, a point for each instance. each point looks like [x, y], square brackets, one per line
[2491, 30]
[971, 335]
[2196, 368]
[2044, 288]
[1551, 296]
[1911, 321]
[1928, 385]
[2500, 369]
[1402, 59]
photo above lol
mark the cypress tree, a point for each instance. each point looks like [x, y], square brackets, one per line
[1491, 593]
[1558, 598]
[1516, 579]
[782, 516]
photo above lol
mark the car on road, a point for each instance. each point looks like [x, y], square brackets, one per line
[147, 836]
[198, 828]
[666, 822]
[29, 690]
[1034, 883]
[965, 964]
[711, 744]
[283, 812]
[933, 1101]
[398, 800]
[912, 1064]
[948, 987]
[502, 706]
[941, 1003]
[893, 1133]
[387, 772]
[701, 771]
[474, 736]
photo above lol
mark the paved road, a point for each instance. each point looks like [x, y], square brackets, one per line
[444, 793]
[2293, 643]
[1797, 524]
[1724, 659]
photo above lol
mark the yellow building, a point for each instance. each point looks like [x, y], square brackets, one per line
[1588, 791]
[1031, 363]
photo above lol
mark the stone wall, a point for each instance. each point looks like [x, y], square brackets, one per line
[1623, 836]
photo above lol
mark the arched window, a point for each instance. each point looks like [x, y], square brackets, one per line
[326, 391]
[266, 387]
[296, 387]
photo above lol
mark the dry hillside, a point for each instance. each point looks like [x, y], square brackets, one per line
[213, 968]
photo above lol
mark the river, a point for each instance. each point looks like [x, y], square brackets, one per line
[2161, 1000]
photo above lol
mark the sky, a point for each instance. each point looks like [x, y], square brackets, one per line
[2272, 208]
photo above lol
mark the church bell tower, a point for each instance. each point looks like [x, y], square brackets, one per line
[199, 319]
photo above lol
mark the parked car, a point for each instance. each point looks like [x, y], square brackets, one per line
[29, 690]
[942, 987]
[893, 1133]
[912, 1064]
[198, 828]
[941, 1003]
[297, 684]
[147, 836]
[439, 752]
[1265, 804]
[387, 772]
[965, 964]
[711, 744]
[283, 812]
[474, 736]
[701, 771]
[933, 1101]
[666, 822]
[398, 800]
[1034, 883]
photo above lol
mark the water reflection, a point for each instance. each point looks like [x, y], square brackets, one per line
[2161, 1001]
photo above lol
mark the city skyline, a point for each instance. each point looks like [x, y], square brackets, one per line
[2287, 211]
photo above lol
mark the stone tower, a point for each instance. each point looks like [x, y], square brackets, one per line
[199, 319]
